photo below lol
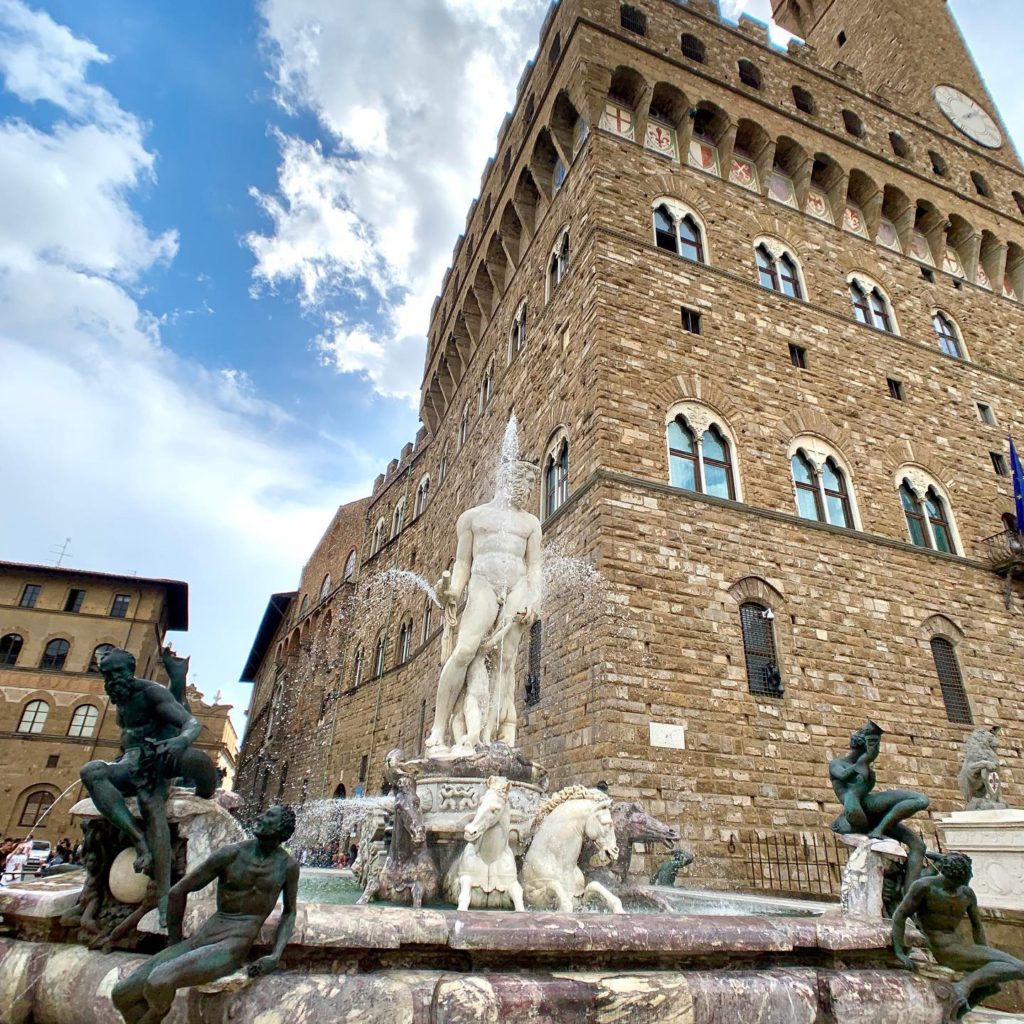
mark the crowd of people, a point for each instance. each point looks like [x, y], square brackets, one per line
[15, 854]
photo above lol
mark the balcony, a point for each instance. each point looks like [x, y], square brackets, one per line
[1004, 553]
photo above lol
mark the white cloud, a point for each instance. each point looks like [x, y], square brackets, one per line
[149, 462]
[412, 107]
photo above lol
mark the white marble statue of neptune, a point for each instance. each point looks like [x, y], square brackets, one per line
[499, 557]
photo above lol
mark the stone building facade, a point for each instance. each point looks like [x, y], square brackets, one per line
[758, 315]
[55, 623]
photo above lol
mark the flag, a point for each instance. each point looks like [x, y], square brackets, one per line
[1018, 486]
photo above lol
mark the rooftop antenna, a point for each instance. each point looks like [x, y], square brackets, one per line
[62, 552]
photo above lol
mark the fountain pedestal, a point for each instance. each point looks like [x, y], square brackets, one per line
[863, 887]
[994, 840]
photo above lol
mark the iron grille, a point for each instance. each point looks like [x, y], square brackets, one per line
[763, 676]
[633, 20]
[954, 696]
[533, 668]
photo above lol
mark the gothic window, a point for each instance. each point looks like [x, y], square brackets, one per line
[378, 656]
[700, 463]
[487, 384]
[928, 520]
[83, 721]
[558, 264]
[870, 306]
[824, 494]
[780, 274]
[428, 614]
[693, 49]
[36, 805]
[556, 476]
[55, 655]
[442, 467]
[517, 333]
[98, 655]
[749, 74]
[405, 642]
[764, 678]
[375, 545]
[304, 604]
[357, 666]
[948, 335]
[422, 496]
[464, 426]
[350, 566]
[398, 519]
[33, 718]
[10, 648]
[325, 587]
[679, 234]
[951, 682]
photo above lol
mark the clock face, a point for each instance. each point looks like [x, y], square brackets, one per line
[968, 116]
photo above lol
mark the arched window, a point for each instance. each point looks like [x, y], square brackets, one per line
[948, 335]
[375, 545]
[428, 614]
[378, 656]
[558, 264]
[350, 566]
[556, 477]
[405, 642]
[33, 718]
[980, 184]
[304, 605]
[780, 273]
[803, 100]
[98, 655]
[764, 678]
[83, 721]
[853, 124]
[679, 233]
[36, 805]
[870, 306]
[700, 463]
[517, 333]
[693, 49]
[398, 519]
[55, 655]
[464, 426]
[928, 520]
[10, 648]
[325, 587]
[824, 494]
[442, 467]
[954, 696]
[357, 667]
[422, 496]
[749, 74]
[487, 384]
[899, 145]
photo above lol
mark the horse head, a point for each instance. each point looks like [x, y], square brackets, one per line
[634, 825]
[492, 806]
[600, 829]
[408, 816]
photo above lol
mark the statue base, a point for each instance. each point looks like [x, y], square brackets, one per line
[497, 759]
[863, 885]
[994, 840]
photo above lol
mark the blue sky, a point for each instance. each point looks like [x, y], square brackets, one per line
[222, 229]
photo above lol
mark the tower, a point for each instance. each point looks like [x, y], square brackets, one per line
[758, 316]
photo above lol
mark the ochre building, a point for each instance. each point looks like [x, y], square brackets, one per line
[55, 624]
[758, 314]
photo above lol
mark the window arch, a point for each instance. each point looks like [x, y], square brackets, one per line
[487, 384]
[304, 605]
[357, 666]
[700, 452]
[442, 466]
[422, 496]
[778, 270]
[693, 49]
[10, 648]
[55, 655]
[823, 489]
[750, 76]
[679, 230]
[379, 655]
[398, 519]
[83, 721]
[350, 566]
[405, 641]
[951, 341]
[517, 333]
[428, 614]
[36, 806]
[558, 263]
[33, 716]
[951, 681]
[556, 475]
[764, 677]
[464, 427]
[375, 545]
[325, 587]
[927, 512]
[98, 655]
[871, 305]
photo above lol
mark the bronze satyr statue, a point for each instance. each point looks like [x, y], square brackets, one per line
[939, 903]
[876, 815]
[250, 877]
[156, 740]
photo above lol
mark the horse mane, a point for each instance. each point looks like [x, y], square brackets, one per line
[564, 796]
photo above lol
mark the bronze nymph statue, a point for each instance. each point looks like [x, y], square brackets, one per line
[250, 876]
[876, 815]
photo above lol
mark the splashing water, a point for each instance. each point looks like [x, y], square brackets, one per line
[333, 823]
[403, 579]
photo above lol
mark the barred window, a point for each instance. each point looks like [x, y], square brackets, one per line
[954, 696]
[633, 19]
[533, 669]
[693, 48]
[763, 676]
